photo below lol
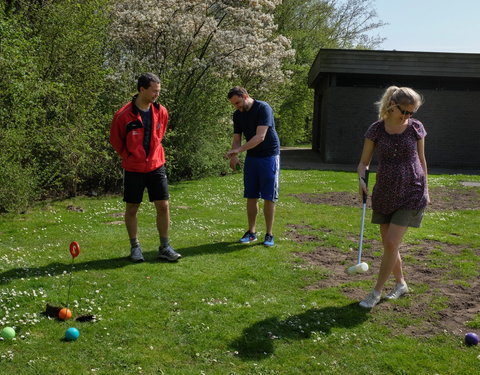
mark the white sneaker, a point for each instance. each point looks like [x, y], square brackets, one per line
[371, 300]
[398, 291]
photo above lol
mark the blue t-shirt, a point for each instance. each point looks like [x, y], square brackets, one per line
[260, 114]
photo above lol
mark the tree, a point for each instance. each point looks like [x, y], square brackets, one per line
[311, 25]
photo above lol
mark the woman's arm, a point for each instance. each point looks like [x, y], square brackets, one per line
[423, 162]
[365, 159]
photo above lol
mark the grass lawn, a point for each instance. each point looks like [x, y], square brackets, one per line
[227, 308]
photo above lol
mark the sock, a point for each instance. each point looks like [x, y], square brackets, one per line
[134, 242]
[375, 293]
[163, 241]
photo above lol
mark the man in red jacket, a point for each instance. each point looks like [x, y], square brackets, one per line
[136, 135]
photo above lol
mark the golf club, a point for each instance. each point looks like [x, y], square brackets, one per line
[361, 266]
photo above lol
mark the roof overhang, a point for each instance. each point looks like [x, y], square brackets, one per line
[401, 63]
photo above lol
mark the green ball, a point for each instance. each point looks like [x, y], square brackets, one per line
[8, 333]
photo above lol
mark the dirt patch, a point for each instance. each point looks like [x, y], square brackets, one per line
[117, 214]
[439, 301]
[75, 208]
[442, 198]
[116, 222]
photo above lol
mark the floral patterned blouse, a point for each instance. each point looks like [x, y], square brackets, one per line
[401, 181]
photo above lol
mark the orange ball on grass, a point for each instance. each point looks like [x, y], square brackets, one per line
[64, 314]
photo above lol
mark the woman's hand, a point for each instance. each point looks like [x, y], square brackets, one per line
[362, 187]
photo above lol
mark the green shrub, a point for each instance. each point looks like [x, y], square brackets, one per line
[200, 134]
[18, 183]
[18, 110]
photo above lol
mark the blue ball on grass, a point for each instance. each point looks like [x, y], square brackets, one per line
[71, 334]
[471, 339]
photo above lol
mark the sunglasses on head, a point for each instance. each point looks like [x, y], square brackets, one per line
[404, 112]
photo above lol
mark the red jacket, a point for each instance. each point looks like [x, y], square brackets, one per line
[126, 137]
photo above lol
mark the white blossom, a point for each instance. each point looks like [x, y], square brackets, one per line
[181, 40]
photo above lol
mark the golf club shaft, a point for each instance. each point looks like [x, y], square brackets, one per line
[362, 226]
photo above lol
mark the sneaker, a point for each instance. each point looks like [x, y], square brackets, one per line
[371, 300]
[136, 254]
[398, 291]
[248, 237]
[269, 240]
[167, 252]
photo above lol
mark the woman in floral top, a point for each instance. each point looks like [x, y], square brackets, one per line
[400, 194]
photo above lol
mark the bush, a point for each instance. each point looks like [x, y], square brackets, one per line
[200, 134]
[18, 110]
[72, 126]
[54, 100]
[18, 183]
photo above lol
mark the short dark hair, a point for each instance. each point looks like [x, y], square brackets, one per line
[145, 79]
[237, 90]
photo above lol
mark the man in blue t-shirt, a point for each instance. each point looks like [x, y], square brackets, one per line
[254, 119]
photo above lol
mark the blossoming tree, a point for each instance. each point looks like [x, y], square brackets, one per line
[184, 41]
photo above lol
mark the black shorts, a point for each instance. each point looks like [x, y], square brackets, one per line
[134, 184]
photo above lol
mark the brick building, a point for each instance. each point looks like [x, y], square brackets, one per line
[347, 83]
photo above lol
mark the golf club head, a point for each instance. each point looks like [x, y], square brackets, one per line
[358, 268]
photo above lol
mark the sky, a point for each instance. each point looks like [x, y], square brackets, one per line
[429, 25]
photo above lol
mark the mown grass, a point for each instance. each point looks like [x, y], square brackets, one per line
[224, 308]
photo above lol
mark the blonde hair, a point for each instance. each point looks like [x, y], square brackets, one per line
[397, 95]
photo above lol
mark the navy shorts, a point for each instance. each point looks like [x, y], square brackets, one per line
[134, 184]
[261, 177]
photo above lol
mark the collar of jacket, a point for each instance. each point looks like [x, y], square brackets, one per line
[135, 108]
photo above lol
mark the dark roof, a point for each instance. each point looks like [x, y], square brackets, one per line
[401, 63]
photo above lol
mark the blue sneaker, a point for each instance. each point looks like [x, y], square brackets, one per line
[269, 241]
[248, 237]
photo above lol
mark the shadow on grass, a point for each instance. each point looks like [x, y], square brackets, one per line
[214, 248]
[257, 341]
[58, 268]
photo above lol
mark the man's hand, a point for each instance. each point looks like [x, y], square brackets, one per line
[232, 153]
[234, 161]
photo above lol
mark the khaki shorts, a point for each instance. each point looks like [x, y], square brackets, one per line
[402, 217]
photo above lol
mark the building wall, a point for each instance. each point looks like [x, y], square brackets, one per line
[451, 118]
